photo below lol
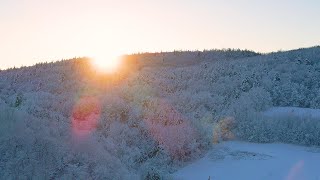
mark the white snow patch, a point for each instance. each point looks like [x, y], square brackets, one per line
[241, 160]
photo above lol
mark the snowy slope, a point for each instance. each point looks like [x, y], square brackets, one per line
[241, 160]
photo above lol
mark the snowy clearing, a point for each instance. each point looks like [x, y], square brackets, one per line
[241, 160]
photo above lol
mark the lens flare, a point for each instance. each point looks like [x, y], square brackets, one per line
[85, 116]
[296, 171]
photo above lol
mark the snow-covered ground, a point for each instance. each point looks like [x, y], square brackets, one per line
[241, 160]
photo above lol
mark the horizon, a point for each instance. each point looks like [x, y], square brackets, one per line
[155, 52]
[36, 31]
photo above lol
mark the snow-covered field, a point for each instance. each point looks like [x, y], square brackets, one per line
[241, 160]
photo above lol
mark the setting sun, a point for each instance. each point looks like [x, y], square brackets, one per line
[106, 64]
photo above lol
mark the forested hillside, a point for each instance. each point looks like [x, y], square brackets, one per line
[157, 113]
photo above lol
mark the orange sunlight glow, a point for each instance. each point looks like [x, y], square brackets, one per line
[106, 64]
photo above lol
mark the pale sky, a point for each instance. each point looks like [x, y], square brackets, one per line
[33, 31]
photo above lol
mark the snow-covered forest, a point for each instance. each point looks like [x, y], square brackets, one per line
[157, 114]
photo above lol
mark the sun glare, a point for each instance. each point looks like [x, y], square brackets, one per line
[106, 64]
